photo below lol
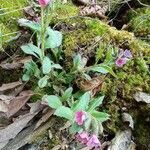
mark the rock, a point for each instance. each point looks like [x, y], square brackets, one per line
[121, 141]
[127, 118]
[142, 97]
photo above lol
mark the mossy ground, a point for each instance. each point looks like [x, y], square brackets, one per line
[139, 22]
[10, 12]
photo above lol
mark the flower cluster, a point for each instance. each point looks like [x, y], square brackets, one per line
[123, 57]
[91, 141]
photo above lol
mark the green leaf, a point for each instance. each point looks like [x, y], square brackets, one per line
[99, 69]
[54, 38]
[56, 66]
[103, 69]
[77, 60]
[30, 24]
[95, 103]
[30, 69]
[64, 112]
[46, 65]
[75, 128]
[100, 116]
[53, 101]
[87, 123]
[83, 102]
[25, 77]
[95, 126]
[100, 52]
[67, 94]
[43, 81]
[109, 55]
[32, 50]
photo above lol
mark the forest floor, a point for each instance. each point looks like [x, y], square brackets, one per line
[27, 123]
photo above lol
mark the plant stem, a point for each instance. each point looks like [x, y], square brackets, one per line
[42, 32]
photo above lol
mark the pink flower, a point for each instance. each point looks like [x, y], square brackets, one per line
[83, 137]
[93, 142]
[120, 62]
[43, 3]
[80, 117]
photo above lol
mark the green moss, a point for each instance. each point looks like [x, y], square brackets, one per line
[79, 36]
[139, 21]
[10, 12]
[63, 11]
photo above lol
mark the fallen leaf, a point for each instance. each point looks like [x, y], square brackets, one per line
[45, 117]
[93, 85]
[94, 11]
[6, 98]
[18, 102]
[127, 118]
[9, 86]
[142, 97]
[3, 107]
[30, 11]
[17, 63]
[13, 129]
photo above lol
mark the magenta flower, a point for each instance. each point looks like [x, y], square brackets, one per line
[80, 117]
[44, 3]
[120, 62]
[93, 142]
[127, 54]
[83, 137]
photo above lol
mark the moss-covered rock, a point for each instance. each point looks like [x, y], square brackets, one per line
[10, 12]
[139, 22]
[80, 35]
[86, 35]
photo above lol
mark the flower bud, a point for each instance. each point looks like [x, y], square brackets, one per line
[43, 3]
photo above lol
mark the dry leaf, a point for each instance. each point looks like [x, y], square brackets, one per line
[9, 86]
[13, 129]
[6, 98]
[3, 107]
[45, 117]
[93, 85]
[17, 63]
[94, 11]
[29, 11]
[18, 102]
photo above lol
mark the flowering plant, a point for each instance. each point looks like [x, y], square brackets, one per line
[47, 39]
[86, 121]
[123, 57]
[81, 111]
